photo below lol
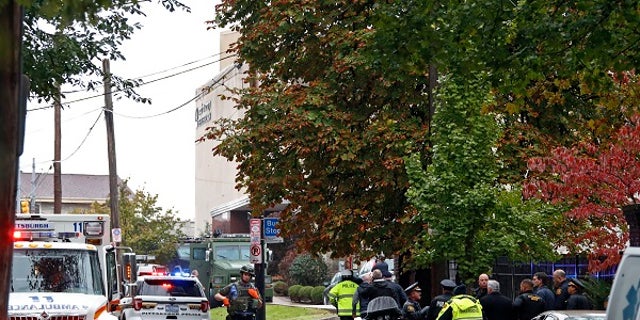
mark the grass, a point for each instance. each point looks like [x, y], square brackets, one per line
[278, 312]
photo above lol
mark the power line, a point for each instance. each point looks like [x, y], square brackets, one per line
[182, 105]
[84, 139]
[145, 83]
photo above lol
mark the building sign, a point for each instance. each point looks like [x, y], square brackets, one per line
[203, 114]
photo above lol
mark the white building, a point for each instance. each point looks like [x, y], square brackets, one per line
[215, 176]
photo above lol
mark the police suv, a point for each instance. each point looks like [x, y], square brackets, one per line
[166, 297]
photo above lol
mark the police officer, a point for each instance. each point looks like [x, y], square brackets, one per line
[438, 302]
[411, 309]
[241, 298]
[341, 295]
[577, 300]
[528, 304]
[461, 306]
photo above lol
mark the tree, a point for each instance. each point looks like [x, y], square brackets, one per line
[593, 181]
[341, 98]
[65, 41]
[466, 215]
[323, 128]
[146, 228]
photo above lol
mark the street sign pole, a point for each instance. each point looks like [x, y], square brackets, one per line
[257, 258]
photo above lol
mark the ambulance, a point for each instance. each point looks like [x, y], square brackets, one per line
[64, 268]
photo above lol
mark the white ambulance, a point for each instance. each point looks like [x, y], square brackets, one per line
[64, 268]
[624, 300]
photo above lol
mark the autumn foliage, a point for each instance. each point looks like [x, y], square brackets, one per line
[594, 182]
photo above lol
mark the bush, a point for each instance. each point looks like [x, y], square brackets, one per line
[305, 293]
[280, 288]
[307, 270]
[316, 295]
[294, 292]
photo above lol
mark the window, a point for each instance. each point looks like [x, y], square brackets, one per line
[40, 270]
[167, 287]
[199, 253]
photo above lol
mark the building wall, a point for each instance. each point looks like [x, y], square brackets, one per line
[215, 176]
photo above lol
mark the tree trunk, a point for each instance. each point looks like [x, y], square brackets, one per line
[632, 215]
[10, 41]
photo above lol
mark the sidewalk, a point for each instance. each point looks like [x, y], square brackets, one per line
[286, 302]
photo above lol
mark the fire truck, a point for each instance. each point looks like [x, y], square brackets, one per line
[65, 267]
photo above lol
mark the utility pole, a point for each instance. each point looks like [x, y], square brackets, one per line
[111, 146]
[32, 194]
[57, 174]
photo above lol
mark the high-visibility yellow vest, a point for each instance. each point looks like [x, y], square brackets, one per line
[341, 296]
[463, 307]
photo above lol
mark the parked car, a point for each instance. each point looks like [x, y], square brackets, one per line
[571, 315]
[166, 297]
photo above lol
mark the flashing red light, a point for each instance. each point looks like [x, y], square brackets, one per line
[204, 305]
[137, 304]
[17, 234]
[167, 285]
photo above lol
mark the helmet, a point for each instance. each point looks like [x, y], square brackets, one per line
[247, 269]
[346, 275]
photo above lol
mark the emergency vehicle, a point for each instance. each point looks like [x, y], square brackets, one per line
[64, 268]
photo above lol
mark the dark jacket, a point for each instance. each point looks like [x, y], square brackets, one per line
[379, 288]
[562, 295]
[547, 295]
[496, 306]
[357, 297]
[528, 305]
[411, 310]
[578, 302]
[480, 292]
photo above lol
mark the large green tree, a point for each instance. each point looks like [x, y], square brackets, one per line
[468, 217]
[323, 127]
[340, 97]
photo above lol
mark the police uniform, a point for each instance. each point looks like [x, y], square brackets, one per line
[438, 302]
[411, 309]
[562, 295]
[241, 305]
[528, 305]
[578, 301]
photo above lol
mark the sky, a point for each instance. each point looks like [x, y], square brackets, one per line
[155, 150]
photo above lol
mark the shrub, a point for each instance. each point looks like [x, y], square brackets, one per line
[294, 291]
[316, 295]
[305, 293]
[307, 270]
[280, 288]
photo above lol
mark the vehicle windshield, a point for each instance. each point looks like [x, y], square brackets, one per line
[232, 252]
[39, 270]
[169, 287]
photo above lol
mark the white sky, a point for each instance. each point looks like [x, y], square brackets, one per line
[156, 153]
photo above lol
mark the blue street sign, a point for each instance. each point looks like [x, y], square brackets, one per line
[270, 230]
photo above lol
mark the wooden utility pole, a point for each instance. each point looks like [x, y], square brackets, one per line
[11, 135]
[57, 165]
[111, 147]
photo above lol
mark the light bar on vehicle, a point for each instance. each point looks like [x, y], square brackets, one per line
[21, 235]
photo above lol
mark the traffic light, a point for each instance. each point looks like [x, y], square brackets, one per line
[24, 206]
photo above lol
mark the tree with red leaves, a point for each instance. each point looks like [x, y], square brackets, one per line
[594, 182]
